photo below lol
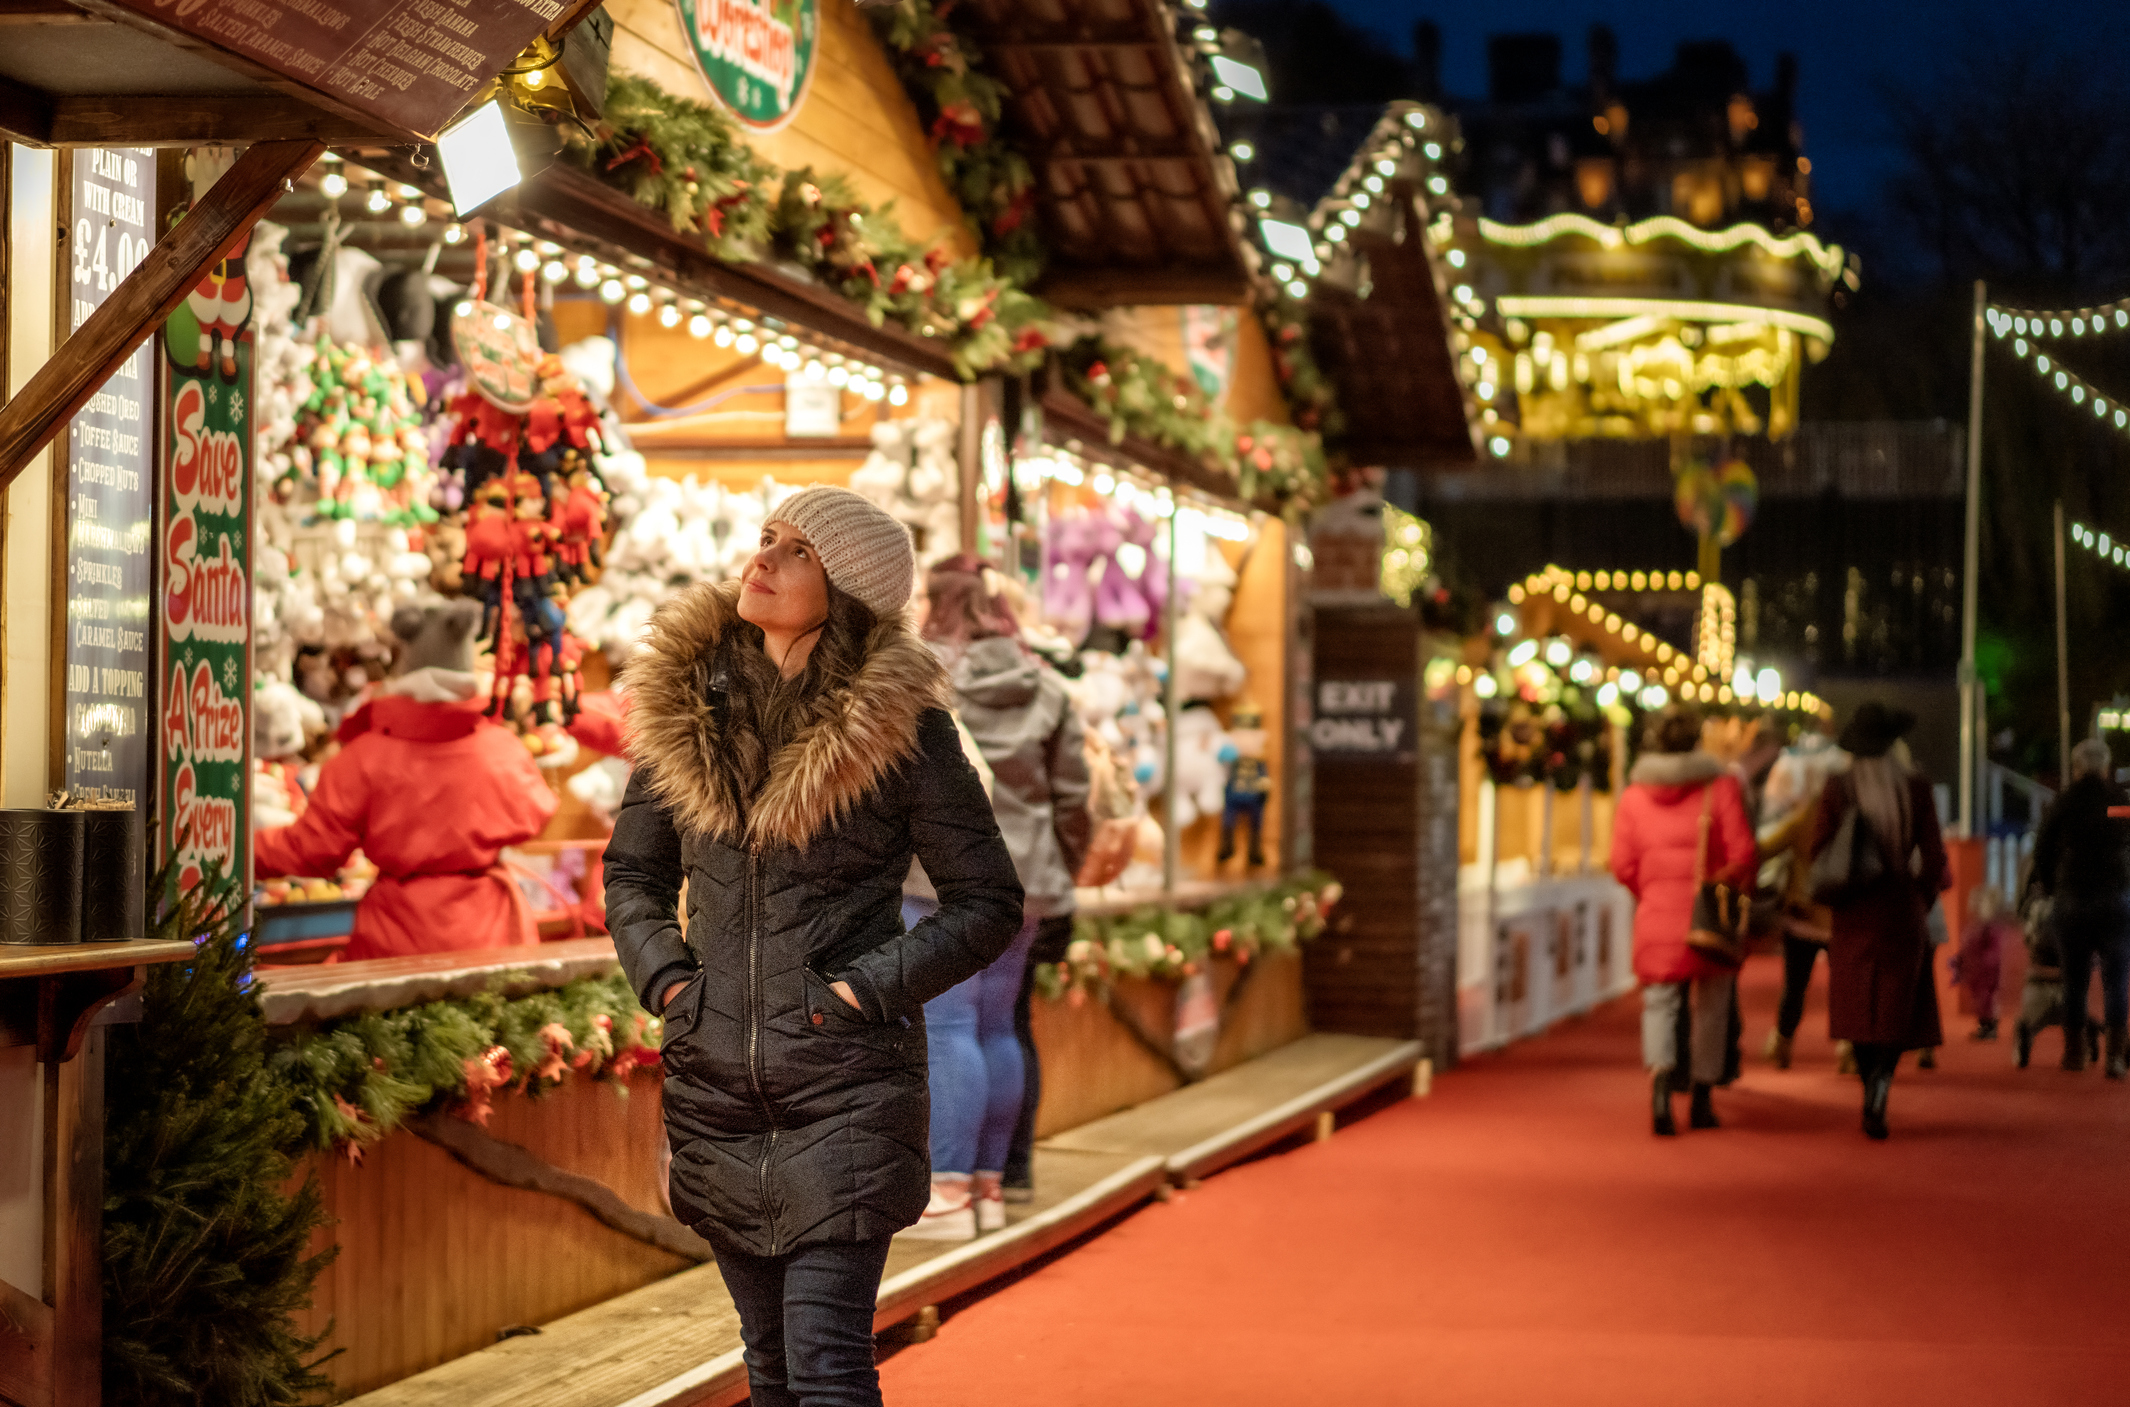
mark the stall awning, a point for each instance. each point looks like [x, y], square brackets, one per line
[1137, 197]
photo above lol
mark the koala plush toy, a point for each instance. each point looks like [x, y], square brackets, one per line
[436, 650]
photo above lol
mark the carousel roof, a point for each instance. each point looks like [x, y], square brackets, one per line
[1138, 199]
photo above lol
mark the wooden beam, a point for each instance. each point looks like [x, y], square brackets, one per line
[25, 1347]
[25, 114]
[1092, 289]
[139, 304]
[191, 120]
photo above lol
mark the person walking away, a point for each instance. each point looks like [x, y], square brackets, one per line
[794, 752]
[1023, 721]
[1680, 821]
[1880, 996]
[1978, 967]
[2082, 865]
[1790, 810]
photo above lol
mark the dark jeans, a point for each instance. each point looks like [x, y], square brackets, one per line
[1798, 956]
[1052, 937]
[807, 1319]
[2089, 932]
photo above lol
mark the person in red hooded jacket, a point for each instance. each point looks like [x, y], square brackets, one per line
[1677, 793]
[431, 792]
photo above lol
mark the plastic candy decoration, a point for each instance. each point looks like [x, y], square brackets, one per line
[1716, 502]
[501, 354]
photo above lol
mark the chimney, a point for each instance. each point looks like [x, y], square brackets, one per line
[1523, 68]
[1427, 61]
[1604, 52]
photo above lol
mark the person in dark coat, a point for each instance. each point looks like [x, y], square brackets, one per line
[793, 754]
[1880, 994]
[2081, 862]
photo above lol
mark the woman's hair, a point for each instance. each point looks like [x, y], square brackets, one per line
[961, 607]
[1676, 729]
[2090, 758]
[764, 710]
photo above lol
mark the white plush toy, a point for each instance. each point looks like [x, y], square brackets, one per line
[1201, 777]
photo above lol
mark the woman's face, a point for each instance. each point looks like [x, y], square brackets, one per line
[784, 590]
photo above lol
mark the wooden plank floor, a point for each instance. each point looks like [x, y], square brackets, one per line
[1316, 1072]
[676, 1343]
[661, 1346]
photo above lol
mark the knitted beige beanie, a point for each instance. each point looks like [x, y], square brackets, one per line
[864, 552]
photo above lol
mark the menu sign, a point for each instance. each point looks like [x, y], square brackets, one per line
[203, 656]
[411, 64]
[110, 495]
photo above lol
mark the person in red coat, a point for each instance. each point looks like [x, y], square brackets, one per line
[432, 793]
[1676, 795]
[1881, 996]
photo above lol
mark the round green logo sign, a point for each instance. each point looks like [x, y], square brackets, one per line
[758, 55]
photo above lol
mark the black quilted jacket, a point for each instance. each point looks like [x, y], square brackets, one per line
[793, 1118]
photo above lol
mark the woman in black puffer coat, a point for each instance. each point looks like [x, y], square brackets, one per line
[792, 754]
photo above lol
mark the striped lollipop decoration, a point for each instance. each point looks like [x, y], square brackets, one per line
[1716, 501]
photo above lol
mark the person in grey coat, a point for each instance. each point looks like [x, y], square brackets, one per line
[984, 1078]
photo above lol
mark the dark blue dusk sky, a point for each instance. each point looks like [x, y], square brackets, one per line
[1844, 47]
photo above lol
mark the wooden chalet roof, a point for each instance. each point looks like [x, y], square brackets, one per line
[1137, 196]
[1381, 331]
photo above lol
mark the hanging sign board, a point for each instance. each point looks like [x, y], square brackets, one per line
[203, 653]
[408, 64]
[110, 495]
[757, 55]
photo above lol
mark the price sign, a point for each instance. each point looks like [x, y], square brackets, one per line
[110, 494]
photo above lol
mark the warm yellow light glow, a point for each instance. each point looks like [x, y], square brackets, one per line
[1516, 305]
[1830, 258]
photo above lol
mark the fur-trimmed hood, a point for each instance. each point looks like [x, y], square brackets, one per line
[1674, 769]
[864, 732]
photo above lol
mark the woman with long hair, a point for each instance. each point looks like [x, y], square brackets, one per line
[1681, 820]
[794, 752]
[1881, 996]
[984, 1079]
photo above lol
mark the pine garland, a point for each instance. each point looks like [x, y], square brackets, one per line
[354, 1081]
[206, 1254]
[1169, 945]
[685, 159]
[1278, 467]
[960, 103]
[689, 161]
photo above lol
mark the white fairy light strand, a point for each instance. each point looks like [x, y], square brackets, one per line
[2070, 383]
[2102, 545]
[2064, 322]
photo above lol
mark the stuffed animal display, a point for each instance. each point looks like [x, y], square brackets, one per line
[912, 474]
[673, 533]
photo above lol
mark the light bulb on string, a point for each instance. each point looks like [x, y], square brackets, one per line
[699, 326]
[525, 260]
[721, 334]
[669, 314]
[454, 233]
[639, 302]
[612, 291]
[554, 271]
[333, 185]
[898, 394]
[413, 215]
[379, 200]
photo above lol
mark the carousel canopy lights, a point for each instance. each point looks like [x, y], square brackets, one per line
[479, 161]
[1555, 306]
[1829, 258]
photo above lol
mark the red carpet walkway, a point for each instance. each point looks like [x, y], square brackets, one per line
[1521, 1238]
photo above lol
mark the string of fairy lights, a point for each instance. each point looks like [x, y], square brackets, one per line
[2102, 545]
[2073, 387]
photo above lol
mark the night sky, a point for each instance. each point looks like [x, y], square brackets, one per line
[1845, 48]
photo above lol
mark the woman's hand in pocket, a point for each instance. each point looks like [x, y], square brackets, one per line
[850, 998]
[673, 989]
